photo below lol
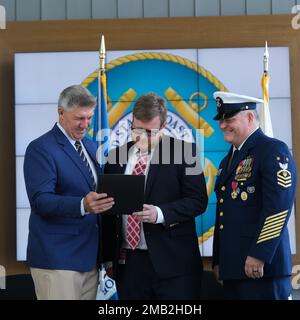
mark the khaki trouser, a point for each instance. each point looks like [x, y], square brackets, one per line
[65, 284]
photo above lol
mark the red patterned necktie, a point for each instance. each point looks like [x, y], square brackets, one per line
[133, 232]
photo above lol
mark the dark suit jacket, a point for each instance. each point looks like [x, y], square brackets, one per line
[173, 246]
[254, 222]
[56, 180]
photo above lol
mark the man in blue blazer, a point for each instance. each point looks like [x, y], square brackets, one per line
[61, 171]
[255, 191]
[164, 262]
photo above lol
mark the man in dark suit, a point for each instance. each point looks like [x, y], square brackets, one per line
[255, 191]
[164, 261]
[61, 170]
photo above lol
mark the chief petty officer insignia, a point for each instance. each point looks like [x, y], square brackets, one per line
[284, 177]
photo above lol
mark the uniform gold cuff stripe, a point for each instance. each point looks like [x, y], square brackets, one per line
[269, 238]
[266, 232]
[266, 228]
[268, 235]
[275, 222]
[276, 215]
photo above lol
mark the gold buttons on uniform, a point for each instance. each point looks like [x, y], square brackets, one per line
[223, 188]
[221, 227]
[221, 214]
[221, 200]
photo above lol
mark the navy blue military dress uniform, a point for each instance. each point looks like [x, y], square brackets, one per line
[255, 195]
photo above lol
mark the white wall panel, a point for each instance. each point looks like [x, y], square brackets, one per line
[280, 110]
[292, 231]
[31, 121]
[22, 199]
[22, 233]
[241, 69]
[60, 69]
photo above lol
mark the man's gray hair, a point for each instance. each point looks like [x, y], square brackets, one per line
[74, 96]
[254, 112]
[256, 115]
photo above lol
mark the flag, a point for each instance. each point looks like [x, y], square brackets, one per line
[107, 289]
[101, 128]
[265, 122]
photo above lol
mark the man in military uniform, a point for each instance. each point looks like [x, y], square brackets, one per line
[255, 190]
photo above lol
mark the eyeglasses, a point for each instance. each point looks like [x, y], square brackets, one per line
[141, 131]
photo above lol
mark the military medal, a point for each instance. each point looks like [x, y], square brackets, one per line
[244, 169]
[235, 189]
[251, 189]
[244, 196]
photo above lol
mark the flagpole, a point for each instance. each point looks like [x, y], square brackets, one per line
[266, 123]
[102, 55]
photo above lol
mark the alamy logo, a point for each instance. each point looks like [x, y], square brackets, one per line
[2, 17]
[2, 277]
[296, 18]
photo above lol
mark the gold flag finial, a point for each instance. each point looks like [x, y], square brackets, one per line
[102, 54]
[266, 59]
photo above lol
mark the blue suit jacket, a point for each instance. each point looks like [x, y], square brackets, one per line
[254, 202]
[56, 180]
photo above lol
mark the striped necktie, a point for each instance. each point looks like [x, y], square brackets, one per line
[85, 161]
